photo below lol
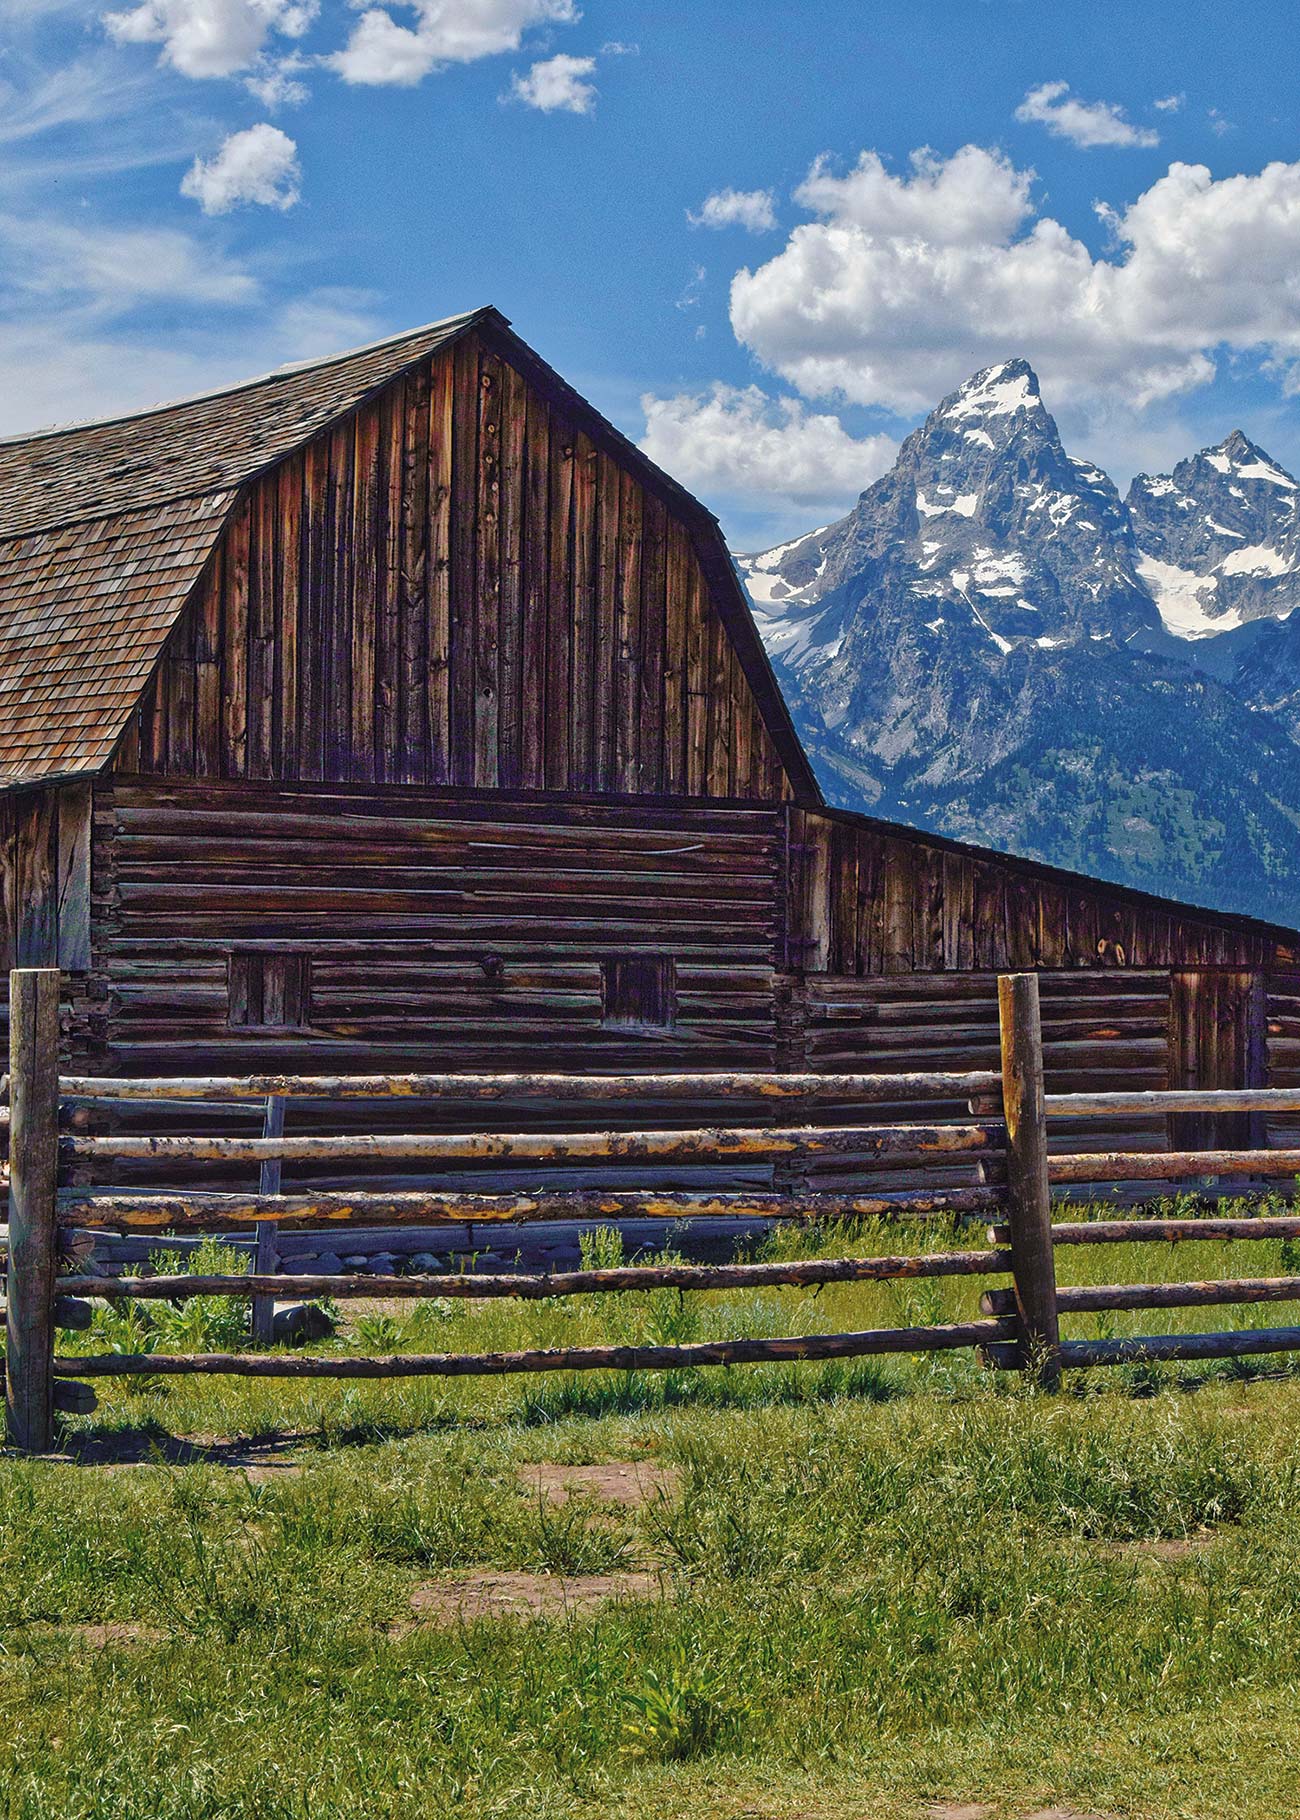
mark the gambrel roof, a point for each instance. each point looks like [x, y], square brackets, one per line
[105, 529]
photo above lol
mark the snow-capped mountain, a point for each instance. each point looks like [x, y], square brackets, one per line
[994, 644]
[1220, 539]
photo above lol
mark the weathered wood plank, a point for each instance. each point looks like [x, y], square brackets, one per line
[575, 1358]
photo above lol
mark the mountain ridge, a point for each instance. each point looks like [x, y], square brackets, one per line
[995, 645]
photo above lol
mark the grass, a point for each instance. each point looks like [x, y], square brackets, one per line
[880, 1585]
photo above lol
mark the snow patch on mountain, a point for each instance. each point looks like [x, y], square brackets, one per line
[1181, 597]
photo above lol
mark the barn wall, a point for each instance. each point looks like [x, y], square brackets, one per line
[1101, 1031]
[866, 900]
[438, 931]
[457, 586]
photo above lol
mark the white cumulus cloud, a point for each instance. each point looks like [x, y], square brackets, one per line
[202, 38]
[903, 284]
[735, 443]
[383, 51]
[558, 85]
[258, 165]
[972, 197]
[1085, 123]
[752, 209]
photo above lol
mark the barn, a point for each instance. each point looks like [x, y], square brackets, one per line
[394, 712]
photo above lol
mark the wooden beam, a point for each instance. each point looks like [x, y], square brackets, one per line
[33, 1167]
[266, 1254]
[1245, 1343]
[478, 1088]
[1170, 1165]
[538, 1147]
[546, 1285]
[1095, 1299]
[573, 1358]
[209, 1211]
[1141, 1232]
[1156, 1104]
[1029, 1207]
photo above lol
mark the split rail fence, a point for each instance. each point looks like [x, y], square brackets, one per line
[1019, 1326]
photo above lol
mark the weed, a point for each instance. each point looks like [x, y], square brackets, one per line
[681, 1712]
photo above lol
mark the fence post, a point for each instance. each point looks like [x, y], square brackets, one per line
[266, 1249]
[1029, 1206]
[33, 1230]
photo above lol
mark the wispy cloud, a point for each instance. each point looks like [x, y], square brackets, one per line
[89, 89]
[108, 271]
[754, 210]
[1083, 123]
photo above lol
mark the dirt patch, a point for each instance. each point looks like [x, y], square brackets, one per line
[1064, 1813]
[520, 1595]
[610, 1481]
[1156, 1548]
[980, 1810]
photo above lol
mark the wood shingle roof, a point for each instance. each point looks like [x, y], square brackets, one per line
[105, 528]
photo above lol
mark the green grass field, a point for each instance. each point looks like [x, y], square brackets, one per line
[849, 1590]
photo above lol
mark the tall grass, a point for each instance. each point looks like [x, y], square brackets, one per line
[878, 1583]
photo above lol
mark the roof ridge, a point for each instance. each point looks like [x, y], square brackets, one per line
[459, 319]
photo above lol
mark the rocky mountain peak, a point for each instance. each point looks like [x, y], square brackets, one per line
[1220, 538]
[985, 530]
[1006, 390]
[995, 644]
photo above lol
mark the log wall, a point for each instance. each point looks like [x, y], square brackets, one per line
[456, 585]
[436, 930]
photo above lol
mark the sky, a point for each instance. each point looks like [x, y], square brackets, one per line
[763, 239]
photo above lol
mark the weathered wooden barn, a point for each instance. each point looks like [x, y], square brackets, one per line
[395, 711]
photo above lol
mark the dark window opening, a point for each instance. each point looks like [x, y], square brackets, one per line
[638, 992]
[268, 991]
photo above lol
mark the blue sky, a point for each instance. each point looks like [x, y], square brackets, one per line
[763, 239]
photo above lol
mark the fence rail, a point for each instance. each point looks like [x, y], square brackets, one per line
[1019, 1327]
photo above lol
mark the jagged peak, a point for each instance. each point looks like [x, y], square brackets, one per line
[1245, 460]
[996, 391]
[1236, 456]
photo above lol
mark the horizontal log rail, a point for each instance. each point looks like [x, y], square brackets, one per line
[1175, 1231]
[1240, 1343]
[1095, 1299]
[536, 1147]
[808, 1272]
[571, 1358]
[1159, 1103]
[1171, 1166]
[470, 1089]
[210, 1210]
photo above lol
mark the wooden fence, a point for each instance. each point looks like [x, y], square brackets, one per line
[1019, 1323]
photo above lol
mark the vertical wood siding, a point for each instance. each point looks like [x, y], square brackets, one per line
[456, 586]
[867, 900]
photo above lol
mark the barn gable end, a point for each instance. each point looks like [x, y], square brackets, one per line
[464, 583]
